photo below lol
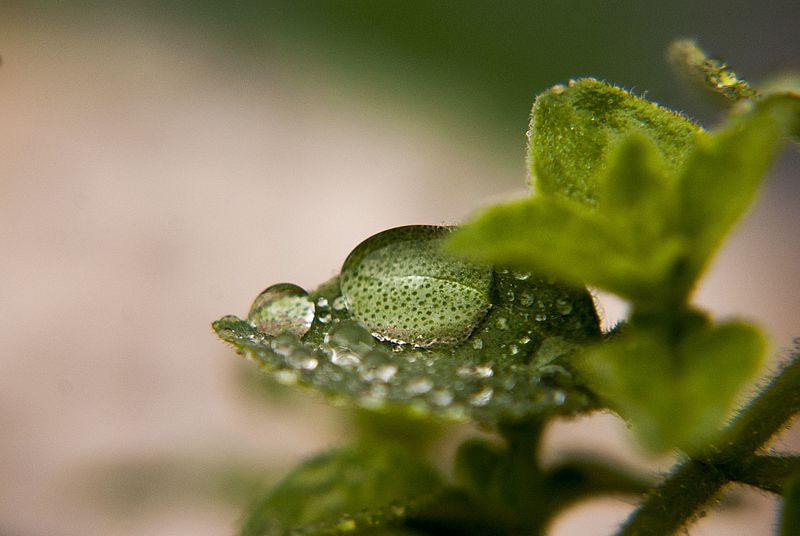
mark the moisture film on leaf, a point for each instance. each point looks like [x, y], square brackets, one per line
[511, 365]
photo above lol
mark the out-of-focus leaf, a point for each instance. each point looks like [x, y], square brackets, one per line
[573, 127]
[505, 370]
[675, 395]
[343, 491]
[722, 176]
[628, 244]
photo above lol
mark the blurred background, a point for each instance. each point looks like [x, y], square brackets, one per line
[162, 162]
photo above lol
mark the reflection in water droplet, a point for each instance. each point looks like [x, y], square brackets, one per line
[406, 289]
[282, 308]
[482, 397]
[419, 386]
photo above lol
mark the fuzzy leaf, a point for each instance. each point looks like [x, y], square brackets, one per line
[510, 367]
[572, 128]
[344, 490]
[624, 246]
[722, 176]
[675, 396]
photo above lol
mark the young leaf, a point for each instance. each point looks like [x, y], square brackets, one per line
[663, 388]
[722, 176]
[686, 55]
[627, 245]
[572, 128]
[364, 486]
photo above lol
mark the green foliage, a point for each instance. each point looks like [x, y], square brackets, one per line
[492, 323]
[364, 486]
[790, 511]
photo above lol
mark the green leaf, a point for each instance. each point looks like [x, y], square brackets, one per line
[676, 394]
[344, 490]
[722, 176]
[572, 128]
[510, 367]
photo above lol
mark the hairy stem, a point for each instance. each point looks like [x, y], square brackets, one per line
[694, 483]
[770, 473]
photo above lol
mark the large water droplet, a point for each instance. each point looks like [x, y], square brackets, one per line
[351, 335]
[282, 308]
[407, 290]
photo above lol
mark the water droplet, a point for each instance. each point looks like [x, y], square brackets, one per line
[419, 386]
[284, 343]
[285, 377]
[322, 302]
[301, 357]
[351, 335]
[522, 276]
[482, 397]
[510, 295]
[344, 358]
[540, 317]
[405, 289]
[564, 306]
[338, 304]
[484, 371]
[502, 323]
[529, 134]
[524, 340]
[325, 317]
[385, 373]
[280, 308]
[513, 349]
[526, 300]
[441, 397]
[477, 344]
[559, 397]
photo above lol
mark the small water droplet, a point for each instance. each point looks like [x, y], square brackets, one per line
[285, 377]
[338, 304]
[521, 276]
[477, 344]
[524, 340]
[441, 397]
[322, 302]
[325, 317]
[344, 358]
[385, 373]
[559, 397]
[281, 308]
[482, 397]
[510, 295]
[502, 323]
[419, 386]
[526, 300]
[350, 334]
[529, 134]
[564, 306]
[540, 317]
[284, 343]
[301, 357]
[513, 349]
[484, 371]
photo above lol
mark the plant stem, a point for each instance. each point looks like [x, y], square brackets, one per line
[672, 504]
[769, 473]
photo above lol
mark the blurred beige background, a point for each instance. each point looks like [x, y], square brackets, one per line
[149, 185]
